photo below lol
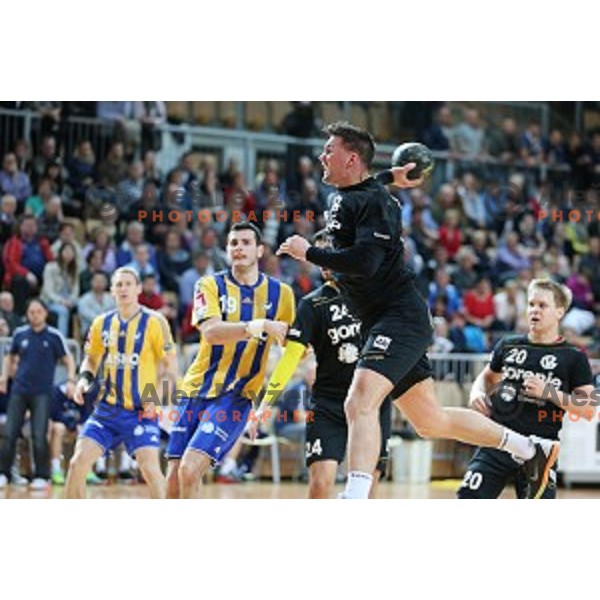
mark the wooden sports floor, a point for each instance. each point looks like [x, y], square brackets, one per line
[285, 490]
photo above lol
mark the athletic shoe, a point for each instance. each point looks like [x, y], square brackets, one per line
[125, 478]
[17, 479]
[537, 468]
[244, 474]
[58, 478]
[39, 485]
[93, 479]
[3, 481]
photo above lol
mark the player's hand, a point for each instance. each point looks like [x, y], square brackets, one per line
[401, 179]
[480, 402]
[150, 411]
[534, 387]
[277, 330]
[296, 246]
[78, 393]
[252, 427]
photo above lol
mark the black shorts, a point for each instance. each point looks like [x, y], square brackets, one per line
[490, 471]
[397, 343]
[327, 433]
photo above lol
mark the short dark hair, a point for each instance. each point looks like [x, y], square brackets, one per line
[354, 139]
[36, 300]
[247, 226]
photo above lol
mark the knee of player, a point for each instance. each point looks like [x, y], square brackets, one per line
[173, 471]
[77, 462]
[359, 406]
[148, 465]
[187, 474]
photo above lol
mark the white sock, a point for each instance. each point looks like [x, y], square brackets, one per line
[55, 464]
[101, 465]
[358, 485]
[125, 462]
[517, 444]
[229, 465]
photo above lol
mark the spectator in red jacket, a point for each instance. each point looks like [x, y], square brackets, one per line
[25, 255]
[479, 305]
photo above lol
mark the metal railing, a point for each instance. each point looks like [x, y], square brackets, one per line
[247, 148]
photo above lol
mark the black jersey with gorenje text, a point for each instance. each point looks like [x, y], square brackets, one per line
[560, 365]
[367, 213]
[324, 321]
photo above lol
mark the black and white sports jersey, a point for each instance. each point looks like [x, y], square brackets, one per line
[560, 365]
[324, 321]
[367, 213]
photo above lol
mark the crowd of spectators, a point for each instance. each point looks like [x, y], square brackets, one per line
[70, 216]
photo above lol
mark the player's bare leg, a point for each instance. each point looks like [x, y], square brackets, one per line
[149, 463]
[87, 452]
[56, 434]
[365, 397]
[321, 479]
[374, 485]
[173, 478]
[420, 406]
[191, 470]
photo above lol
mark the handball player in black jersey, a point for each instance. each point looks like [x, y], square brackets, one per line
[530, 382]
[324, 323]
[366, 227]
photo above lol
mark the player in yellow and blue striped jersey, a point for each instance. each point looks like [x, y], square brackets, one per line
[240, 313]
[132, 349]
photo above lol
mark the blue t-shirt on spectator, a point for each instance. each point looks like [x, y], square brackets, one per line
[38, 354]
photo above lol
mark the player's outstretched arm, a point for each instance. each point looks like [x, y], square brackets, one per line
[398, 176]
[359, 259]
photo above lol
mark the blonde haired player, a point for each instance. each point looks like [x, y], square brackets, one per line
[530, 382]
[133, 348]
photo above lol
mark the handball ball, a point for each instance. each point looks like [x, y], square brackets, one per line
[415, 153]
